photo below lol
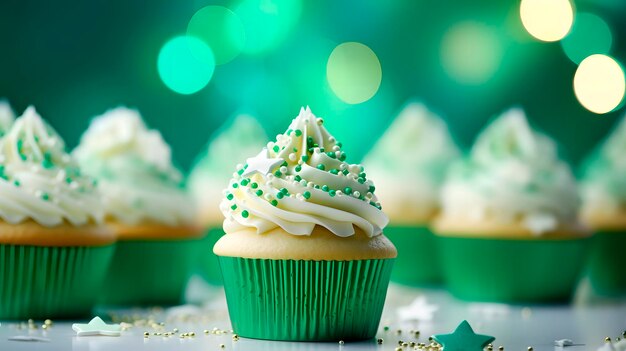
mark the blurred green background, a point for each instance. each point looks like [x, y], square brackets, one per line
[74, 60]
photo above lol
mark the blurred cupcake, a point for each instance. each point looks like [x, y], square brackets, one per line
[7, 116]
[304, 257]
[212, 170]
[146, 205]
[53, 248]
[603, 189]
[409, 163]
[508, 230]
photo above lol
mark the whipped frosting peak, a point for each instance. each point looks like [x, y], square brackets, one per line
[513, 175]
[133, 166]
[409, 162]
[7, 116]
[301, 181]
[603, 184]
[214, 167]
[40, 181]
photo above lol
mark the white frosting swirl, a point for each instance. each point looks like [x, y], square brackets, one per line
[213, 169]
[513, 174]
[40, 181]
[301, 181]
[134, 169]
[409, 163]
[7, 116]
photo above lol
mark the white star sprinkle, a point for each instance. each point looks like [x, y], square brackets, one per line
[261, 163]
[97, 327]
[418, 310]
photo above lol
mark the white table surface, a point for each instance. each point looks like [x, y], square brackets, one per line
[587, 322]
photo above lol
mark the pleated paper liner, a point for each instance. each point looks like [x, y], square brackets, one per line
[516, 271]
[51, 282]
[149, 272]
[607, 264]
[300, 300]
[418, 258]
[209, 267]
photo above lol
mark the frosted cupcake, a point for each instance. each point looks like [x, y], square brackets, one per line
[409, 163]
[603, 189]
[53, 248]
[146, 205]
[508, 228]
[304, 257]
[212, 170]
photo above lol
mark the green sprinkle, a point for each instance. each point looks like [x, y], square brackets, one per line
[245, 181]
[284, 164]
[240, 172]
[45, 196]
[306, 194]
[244, 214]
[331, 154]
[316, 186]
[259, 192]
[298, 132]
[345, 171]
[297, 178]
[280, 195]
[362, 175]
[68, 180]
[274, 202]
[305, 158]
[295, 149]
[289, 131]
[324, 187]
[321, 167]
[235, 185]
[254, 185]
[360, 180]
[276, 148]
[332, 193]
[334, 171]
[372, 189]
[284, 191]
[298, 168]
[233, 207]
[342, 157]
[339, 144]
[347, 190]
[16, 182]
[230, 196]
[278, 173]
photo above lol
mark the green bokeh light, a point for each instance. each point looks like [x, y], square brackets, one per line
[221, 29]
[589, 35]
[185, 64]
[353, 72]
[471, 53]
[267, 22]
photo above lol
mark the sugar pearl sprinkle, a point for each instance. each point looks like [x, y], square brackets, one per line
[297, 150]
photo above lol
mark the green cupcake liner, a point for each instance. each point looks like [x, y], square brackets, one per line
[418, 258]
[149, 272]
[209, 267]
[299, 300]
[607, 263]
[51, 282]
[504, 270]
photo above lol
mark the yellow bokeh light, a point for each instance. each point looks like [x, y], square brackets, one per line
[353, 72]
[547, 20]
[599, 83]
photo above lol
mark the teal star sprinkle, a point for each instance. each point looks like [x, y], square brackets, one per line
[463, 339]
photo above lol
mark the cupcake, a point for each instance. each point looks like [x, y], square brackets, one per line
[211, 171]
[508, 229]
[146, 205]
[53, 247]
[603, 190]
[304, 257]
[409, 163]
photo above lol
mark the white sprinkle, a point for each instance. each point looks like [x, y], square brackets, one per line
[283, 169]
[310, 184]
[336, 148]
[339, 192]
[292, 157]
[303, 182]
[343, 166]
[317, 150]
[267, 197]
[332, 139]
[356, 194]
